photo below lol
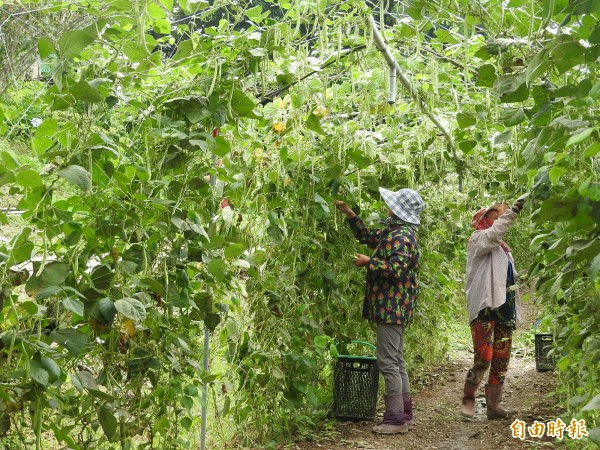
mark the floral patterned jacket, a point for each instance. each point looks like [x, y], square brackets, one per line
[392, 288]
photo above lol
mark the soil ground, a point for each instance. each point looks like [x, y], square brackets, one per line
[437, 420]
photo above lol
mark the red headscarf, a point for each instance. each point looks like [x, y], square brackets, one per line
[480, 222]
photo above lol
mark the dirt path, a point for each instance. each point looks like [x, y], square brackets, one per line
[438, 423]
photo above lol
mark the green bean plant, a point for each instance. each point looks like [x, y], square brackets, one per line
[183, 178]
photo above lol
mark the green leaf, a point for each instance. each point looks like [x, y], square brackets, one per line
[43, 138]
[192, 6]
[595, 91]
[45, 47]
[537, 66]
[254, 14]
[333, 351]
[187, 402]
[242, 105]
[592, 150]
[465, 120]
[467, 146]
[108, 421]
[567, 55]
[502, 138]
[595, 36]
[37, 372]
[70, 338]
[203, 145]
[9, 160]
[102, 277]
[131, 308]
[218, 268]
[48, 292]
[581, 7]
[415, 10]
[31, 308]
[103, 311]
[121, 5]
[321, 342]
[191, 390]
[235, 250]
[579, 137]
[155, 11]
[564, 363]
[186, 422]
[167, 4]
[593, 404]
[86, 380]
[50, 366]
[53, 274]
[520, 95]
[285, 78]
[275, 234]
[584, 88]
[507, 84]
[583, 250]
[556, 210]
[135, 52]
[212, 320]
[47, 128]
[74, 305]
[71, 43]
[29, 178]
[314, 123]
[487, 75]
[222, 146]
[184, 49]
[594, 435]
[83, 91]
[445, 36]
[21, 247]
[512, 116]
[595, 267]
[555, 173]
[154, 285]
[77, 176]
[321, 201]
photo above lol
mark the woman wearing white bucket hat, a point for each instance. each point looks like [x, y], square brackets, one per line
[390, 295]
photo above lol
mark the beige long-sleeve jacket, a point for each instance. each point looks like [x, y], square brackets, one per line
[487, 264]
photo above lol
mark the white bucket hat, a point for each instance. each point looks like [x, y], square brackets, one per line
[405, 203]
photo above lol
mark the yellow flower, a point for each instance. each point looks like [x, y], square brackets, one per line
[279, 103]
[259, 155]
[278, 127]
[321, 111]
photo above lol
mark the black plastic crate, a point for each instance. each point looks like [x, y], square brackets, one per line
[543, 345]
[355, 387]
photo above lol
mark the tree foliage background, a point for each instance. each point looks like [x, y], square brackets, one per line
[178, 169]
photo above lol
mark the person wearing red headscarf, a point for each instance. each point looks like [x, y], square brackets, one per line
[493, 306]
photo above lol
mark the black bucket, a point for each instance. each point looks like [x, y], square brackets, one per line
[543, 345]
[355, 387]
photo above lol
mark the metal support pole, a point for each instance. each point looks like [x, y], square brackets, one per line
[380, 44]
[204, 389]
[213, 182]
